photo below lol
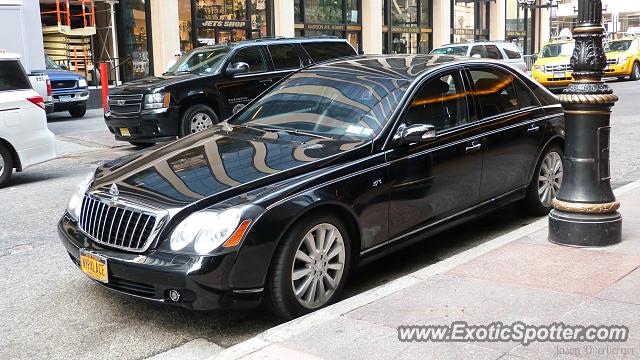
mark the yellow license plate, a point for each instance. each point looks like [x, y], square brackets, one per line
[125, 132]
[95, 266]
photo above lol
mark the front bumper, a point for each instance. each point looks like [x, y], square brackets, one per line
[618, 70]
[65, 100]
[551, 81]
[201, 280]
[149, 126]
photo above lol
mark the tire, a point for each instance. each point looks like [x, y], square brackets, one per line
[635, 71]
[197, 118]
[6, 165]
[537, 188]
[280, 287]
[141, 144]
[78, 111]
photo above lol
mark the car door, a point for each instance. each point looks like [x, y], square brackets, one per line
[285, 59]
[511, 125]
[239, 89]
[435, 180]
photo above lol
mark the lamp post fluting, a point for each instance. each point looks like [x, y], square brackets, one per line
[585, 209]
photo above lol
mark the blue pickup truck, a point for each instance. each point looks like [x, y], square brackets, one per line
[68, 89]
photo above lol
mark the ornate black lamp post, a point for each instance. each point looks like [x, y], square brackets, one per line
[585, 210]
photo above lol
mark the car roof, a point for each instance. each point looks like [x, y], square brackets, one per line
[478, 42]
[626, 38]
[406, 67]
[280, 39]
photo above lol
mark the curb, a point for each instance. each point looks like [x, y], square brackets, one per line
[301, 324]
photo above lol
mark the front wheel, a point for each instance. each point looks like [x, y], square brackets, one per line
[635, 72]
[310, 268]
[197, 118]
[546, 181]
[78, 111]
[6, 165]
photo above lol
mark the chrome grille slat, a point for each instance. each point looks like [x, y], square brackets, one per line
[98, 218]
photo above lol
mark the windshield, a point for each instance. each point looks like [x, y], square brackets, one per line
[51, 65]
[557, 50]
[200, 60]
[620, 45]
[452, 50]
[327, 102]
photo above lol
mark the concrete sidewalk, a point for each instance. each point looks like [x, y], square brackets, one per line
[517, 277]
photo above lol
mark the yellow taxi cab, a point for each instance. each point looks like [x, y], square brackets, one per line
[552, 69]
[623, 58]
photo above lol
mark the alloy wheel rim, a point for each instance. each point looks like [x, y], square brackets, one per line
[2, 165]
[550, 178]
[200, 122]
[318, 265]
[636, 69]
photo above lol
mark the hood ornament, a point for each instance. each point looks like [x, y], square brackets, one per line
[113, 190]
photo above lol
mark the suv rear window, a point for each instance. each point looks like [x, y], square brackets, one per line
[284, 57]
[512, 51]
[12, 76]
[321, 51]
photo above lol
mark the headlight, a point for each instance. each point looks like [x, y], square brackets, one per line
[540, 68]
[157, 100]
[75, 203]
[622, 59]
[208, 230]
[82, 82]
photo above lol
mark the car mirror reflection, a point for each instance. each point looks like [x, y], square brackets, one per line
[237, 68]
[418, 133]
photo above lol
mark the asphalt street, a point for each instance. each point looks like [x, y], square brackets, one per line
[50, 310]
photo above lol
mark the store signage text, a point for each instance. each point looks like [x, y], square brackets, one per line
[224, 23]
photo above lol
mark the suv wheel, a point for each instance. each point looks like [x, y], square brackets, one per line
[197, 118]
[546, 181]
[635, 72]
[6, 165]
[310, 268]
[78, 111]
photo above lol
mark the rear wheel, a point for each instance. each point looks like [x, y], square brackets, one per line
[78, 111]
[6, 165]
[546, 181]
[197, 118]
[310, 268]
[635, 72]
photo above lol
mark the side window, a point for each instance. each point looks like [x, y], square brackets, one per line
[525, 96]
[479, 50]
[440, 102]
[284, 57]
[495, 91]
[512, 52]
[328, 50]
[493, 52]
[12, 76]
[253, 57]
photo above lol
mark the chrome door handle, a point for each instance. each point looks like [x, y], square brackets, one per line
[474, 147]
[266, 81]
[533, 129]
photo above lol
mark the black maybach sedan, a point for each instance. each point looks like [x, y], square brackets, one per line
[337, 165]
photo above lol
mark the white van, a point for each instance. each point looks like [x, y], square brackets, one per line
[499, 50]
[25, 139]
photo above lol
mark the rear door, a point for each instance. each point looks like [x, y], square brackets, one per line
[512, 127]
[433, 181]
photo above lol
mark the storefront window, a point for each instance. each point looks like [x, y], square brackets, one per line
[185, 25]
[515, 27]
[339, 18]
[410, 29]
[135, 43]
[469, 20]
[259, 18]
[221, 21]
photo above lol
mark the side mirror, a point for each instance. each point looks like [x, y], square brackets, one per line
[418, 133]
[237, 68]
[476, 56]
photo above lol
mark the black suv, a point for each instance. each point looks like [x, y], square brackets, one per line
[209, 84]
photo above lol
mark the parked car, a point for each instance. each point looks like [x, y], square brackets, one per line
[338, 164]
[209, 84]
[25, 139]
[498, 50]
[623, 58]
[552, 68]
[70, 91]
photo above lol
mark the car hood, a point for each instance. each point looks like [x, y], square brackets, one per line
[617, 54]
[215, 165]
[154, 82]
[62, 75]
[560, 60]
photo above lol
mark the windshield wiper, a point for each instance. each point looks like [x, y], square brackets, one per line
[296, 132]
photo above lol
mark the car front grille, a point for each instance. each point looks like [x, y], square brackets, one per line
[125, 104]
[612, 61]
[116, 225]
[558, 68]
[63, 84]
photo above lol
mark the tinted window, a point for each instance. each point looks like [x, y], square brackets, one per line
[329, 50]
[12, 76]
[253, 57]
[495, 91]
[206, 60]
[284, 57]
[512, 51]
[452, 50]
[441, 102]
[525, 96]
[478, 50]
[493, 52]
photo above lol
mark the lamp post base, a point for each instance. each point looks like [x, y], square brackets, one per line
[585, 230]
